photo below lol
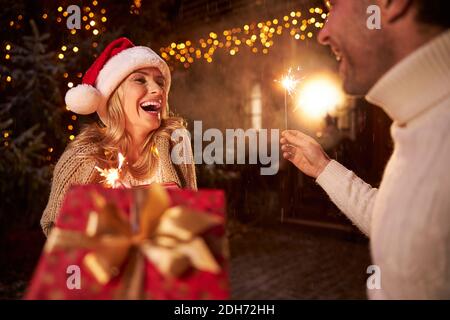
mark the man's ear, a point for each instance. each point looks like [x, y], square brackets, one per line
[393, 10]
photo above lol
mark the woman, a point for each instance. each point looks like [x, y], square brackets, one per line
[128, 87]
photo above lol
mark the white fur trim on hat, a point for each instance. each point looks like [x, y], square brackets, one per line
[83, 99]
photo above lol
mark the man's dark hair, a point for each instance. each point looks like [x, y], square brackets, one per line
[434, 12]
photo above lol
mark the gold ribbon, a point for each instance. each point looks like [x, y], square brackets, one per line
[168, 237]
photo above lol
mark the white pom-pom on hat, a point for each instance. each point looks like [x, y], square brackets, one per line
[83, 99]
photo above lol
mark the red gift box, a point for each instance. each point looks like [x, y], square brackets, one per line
[170, 268]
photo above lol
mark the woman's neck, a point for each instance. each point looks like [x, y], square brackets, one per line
[136, 144]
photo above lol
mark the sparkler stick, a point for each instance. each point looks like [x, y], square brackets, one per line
[289, 83]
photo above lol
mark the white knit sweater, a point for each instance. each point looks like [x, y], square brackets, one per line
[408, 217]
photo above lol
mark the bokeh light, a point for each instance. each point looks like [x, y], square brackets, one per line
[320, 95]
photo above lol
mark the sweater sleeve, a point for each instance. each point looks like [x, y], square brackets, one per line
[352, 195]
[71, 169]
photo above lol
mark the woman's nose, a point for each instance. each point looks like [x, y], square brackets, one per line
[155, 89]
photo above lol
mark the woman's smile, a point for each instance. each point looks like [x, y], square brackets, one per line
[152, 107]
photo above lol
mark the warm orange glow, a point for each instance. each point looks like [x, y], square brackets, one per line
[319, 96]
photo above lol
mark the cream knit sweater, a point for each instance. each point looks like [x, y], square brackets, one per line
[74, 167]
[408, 217]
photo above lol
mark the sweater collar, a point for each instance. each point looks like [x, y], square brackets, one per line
[417, 83]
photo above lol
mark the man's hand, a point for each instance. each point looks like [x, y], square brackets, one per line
[304, 152]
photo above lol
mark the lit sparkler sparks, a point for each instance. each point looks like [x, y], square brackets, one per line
[289, 81]
[112, 175]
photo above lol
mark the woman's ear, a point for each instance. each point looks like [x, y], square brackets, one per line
[392, 10]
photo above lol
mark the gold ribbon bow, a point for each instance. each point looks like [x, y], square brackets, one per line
[167, 237]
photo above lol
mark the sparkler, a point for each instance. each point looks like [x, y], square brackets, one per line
[112, 175]
[289, 82]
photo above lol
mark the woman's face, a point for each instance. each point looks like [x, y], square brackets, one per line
[144, 100]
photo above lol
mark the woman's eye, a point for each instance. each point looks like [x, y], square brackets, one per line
[140, 80]
[160, 81]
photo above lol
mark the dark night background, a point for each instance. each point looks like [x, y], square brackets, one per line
[315, 253]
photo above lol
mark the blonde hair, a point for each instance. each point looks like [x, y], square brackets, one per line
[113, 138]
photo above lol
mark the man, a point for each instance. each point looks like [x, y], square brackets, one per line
[404, 67]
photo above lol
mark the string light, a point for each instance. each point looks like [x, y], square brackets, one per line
[135, 7]
[258, 37]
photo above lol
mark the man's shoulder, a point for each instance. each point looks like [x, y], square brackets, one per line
[439, 117]
[433, 121]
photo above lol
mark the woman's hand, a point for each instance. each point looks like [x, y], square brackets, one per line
[304, 152]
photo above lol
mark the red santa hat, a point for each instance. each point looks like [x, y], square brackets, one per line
[120, 58]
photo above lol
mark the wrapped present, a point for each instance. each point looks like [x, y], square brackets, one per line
[146, 243]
